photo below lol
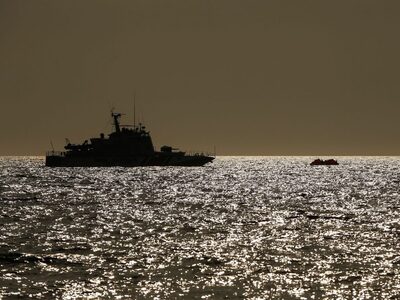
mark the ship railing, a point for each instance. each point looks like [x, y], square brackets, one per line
[55, 153]
[199, 153]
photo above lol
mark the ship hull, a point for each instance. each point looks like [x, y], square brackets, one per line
[137, 161]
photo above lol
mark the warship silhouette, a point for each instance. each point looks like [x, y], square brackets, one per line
[127, 146]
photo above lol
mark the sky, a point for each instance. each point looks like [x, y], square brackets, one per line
[280, 77]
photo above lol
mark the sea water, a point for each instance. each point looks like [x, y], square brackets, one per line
[239, 228]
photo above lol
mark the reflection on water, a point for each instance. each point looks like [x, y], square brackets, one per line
[254, 228]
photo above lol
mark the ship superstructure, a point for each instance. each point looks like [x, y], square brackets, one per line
[127, 146]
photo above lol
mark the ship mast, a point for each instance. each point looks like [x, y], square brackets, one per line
[116, 117]
[134, 110]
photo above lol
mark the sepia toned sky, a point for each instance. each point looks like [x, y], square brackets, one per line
[280, 77]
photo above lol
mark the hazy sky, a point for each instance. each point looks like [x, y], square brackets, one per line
[284, 77]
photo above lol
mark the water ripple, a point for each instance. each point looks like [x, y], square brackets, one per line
[243, 227]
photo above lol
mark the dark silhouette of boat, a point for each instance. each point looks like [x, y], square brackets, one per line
[127, 146]
[321, 162]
